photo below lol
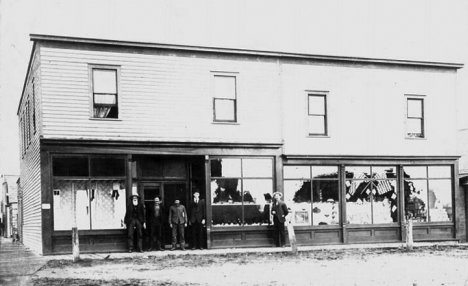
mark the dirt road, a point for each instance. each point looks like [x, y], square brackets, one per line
[425, 266]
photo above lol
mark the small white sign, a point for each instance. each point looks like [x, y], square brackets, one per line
[46, 206]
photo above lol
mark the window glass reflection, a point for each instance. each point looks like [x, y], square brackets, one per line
[439, 172]
[416, 199]
[296, 172]
[226, 167]
[384, 172]
[227, 205]
[357, 172]
[257, 197]
[325, 207]
[440, 200]
[415, 172]
[325, 172]
[297, 196]
[260, 168]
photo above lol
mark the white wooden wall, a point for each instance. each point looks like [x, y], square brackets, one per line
[30, 164]
[367, 109]
[163, 97]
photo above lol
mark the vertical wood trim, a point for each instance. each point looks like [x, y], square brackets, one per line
[128, 173]
[401, 205]
[209, 215]
[342, 194]
[46, 193]
[456, 187]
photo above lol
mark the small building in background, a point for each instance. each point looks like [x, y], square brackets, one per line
[9, 205]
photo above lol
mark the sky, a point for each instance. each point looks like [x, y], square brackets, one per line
[426, 30]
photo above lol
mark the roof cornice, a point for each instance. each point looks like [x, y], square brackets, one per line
[286, 55]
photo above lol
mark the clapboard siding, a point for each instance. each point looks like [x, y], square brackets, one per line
[163, 96]
[30, 163]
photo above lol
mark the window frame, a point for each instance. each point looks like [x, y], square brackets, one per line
[312, 179]
[324, 94]
[89, 180]
[408, 118]
[242, 177]
[235, 75]
[34, 108]
[118, 98]
[427, 179]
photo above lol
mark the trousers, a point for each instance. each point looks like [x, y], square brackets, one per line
[180, 229]
[135, 224]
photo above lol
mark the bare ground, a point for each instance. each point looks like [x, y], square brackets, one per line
[424, 266]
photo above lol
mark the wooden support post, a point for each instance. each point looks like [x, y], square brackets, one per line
[409, 234]
[292, 237]
[76, 245]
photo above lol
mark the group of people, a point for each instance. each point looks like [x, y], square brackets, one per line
[135, 220]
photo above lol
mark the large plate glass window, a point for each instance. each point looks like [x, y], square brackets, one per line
[88, 192]
[312, 194]
[428, 193]
[371, 194]
[241, 191]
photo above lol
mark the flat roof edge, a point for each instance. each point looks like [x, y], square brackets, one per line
[54, 38]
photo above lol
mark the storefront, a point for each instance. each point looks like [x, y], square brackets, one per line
[358, 201]
[90, 189]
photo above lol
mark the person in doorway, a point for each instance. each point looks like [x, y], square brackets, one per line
[156, 224]
[178, 223]
[197, 220]
[135, 219]
[279, 211]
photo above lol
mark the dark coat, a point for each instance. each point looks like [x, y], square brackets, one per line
[140, 211]
[177, 215]
[197, 211]
[281, 210]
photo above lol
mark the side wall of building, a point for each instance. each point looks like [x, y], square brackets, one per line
[29, 118]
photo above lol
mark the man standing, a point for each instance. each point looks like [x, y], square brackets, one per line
[156, 216]
[135, 218]
[279, 211]
[178, 221]
[197, 220]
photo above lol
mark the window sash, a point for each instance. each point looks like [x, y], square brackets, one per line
[224, 109]
[317, 125]
[415, 118]
[105, 93]
[317, 114]
[105, 81]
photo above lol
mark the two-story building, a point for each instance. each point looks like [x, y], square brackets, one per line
[354, 144]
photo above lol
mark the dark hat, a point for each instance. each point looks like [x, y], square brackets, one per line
[267, 196]
[134, 195]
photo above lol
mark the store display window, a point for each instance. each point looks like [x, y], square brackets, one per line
[312, 194]
[371, 194]
[241, 191]
[93, 202]
[428, 193]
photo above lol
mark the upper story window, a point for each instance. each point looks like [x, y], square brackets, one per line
[415, 117]
[34, 108]
[105, 93]
[317, 114]
[225, 98]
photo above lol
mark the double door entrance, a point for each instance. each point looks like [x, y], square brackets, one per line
[168, 192]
